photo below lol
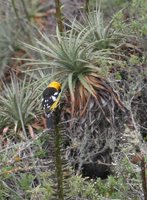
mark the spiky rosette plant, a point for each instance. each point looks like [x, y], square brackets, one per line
[102, 35]
[89, 102]
[18, 103]
[72, 64]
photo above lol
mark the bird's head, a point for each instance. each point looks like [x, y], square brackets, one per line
[55, 84]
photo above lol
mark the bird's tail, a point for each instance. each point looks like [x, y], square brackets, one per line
[49, 121]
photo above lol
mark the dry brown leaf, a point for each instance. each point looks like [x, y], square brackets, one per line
[31, 132]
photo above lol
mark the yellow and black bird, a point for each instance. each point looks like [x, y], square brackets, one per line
[50, 101]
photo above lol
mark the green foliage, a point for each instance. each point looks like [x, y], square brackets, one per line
[45, 190]
[7, 43]
[102, 36]
[115, 187]
[27, 9]
[119, 23]
[19, 185]
[93, 46]
[135, 19]
[26, 181]
[67, 52]
[21, 182]
[112, 188]
[13, 29]
[134, 60]
[18, 103]
[4, 192]
[71, 60]
[83, 188]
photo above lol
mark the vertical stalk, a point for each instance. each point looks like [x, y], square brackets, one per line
[59, 15]
[25, 10]
[58, 154]
[144, 179]
[15, 9]
[86, 6]
[58, 164]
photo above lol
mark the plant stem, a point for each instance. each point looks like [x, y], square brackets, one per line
[144, 180]
[25, 10]
[58, 163]
[86, 6]
[58, 154]
[59, 15]
[15, 9]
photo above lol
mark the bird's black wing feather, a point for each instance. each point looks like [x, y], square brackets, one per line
[49, 97]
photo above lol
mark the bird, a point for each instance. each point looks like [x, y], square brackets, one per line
[50, 101]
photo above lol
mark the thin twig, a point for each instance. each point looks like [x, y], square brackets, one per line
[15, 9]
[59, 15]
[10, 189]
[87, 6]
[143, 175]
[25, 10]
